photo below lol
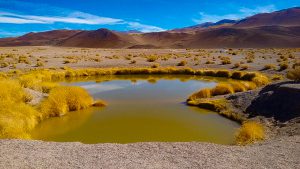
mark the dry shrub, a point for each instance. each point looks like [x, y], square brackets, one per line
[222, 89]
[63, 99]
[250, 132]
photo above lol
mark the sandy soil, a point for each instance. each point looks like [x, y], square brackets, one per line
[280, 153]
[58, 57]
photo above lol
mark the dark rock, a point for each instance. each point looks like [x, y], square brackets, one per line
[280, 101]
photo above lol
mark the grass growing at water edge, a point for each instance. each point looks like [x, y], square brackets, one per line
[250, 132]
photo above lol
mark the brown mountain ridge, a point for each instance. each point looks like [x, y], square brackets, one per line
[276, 29]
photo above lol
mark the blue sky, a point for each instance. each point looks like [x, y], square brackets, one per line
[18, 17]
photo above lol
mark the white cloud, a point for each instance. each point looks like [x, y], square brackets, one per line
[144, 28]
[74, 17]
[242, 13]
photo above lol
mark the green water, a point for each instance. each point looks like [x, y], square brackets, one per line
[142, 109]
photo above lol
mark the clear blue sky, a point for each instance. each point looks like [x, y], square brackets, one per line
[21, 16]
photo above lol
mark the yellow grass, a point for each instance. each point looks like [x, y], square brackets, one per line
[294, 74]
[204, 93]
[238, 86]
[16, 117]
[222, 89]
[250, 132]
[99, 103]
[63, 99]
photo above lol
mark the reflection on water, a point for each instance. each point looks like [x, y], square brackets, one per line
[141, 109]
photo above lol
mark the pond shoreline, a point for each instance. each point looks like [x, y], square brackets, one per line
[282, 152]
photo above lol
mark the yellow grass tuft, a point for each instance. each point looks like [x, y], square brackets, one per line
[294, 74]
[222, 89]
[238, 86]
[204, 93]
[99, 103]
[63, 99]
[250, 132]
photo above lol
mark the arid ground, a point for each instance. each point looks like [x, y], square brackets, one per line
[278, 152]
[270, 61]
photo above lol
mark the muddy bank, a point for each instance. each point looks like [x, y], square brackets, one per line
[283, 152]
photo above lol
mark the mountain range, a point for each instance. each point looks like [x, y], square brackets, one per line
[276, 29]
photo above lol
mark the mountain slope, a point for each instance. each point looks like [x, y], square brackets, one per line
[277, 29]
[39, 39]
[103, 38]
[288, 17]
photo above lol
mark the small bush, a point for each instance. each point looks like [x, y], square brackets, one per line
[250, 132]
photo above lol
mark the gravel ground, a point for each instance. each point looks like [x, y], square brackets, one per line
[283, 152]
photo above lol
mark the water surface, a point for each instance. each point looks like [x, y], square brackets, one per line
[141, 109]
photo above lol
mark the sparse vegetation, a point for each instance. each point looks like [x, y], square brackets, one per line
[182, 63]
[250, 132]
[294, 74]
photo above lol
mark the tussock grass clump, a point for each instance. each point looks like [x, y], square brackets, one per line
[182, 63]
[269, 66]
[63, 99]
[99, 103]
[216, 105]
[238, 87]
[222, 89]
[16, 117]
[237, 75]
[294, 74]
[11, 91]
[250, 132]
[223, 73]
[283, 66]
[204, 93]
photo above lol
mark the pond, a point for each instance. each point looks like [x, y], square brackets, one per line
[140, 109]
